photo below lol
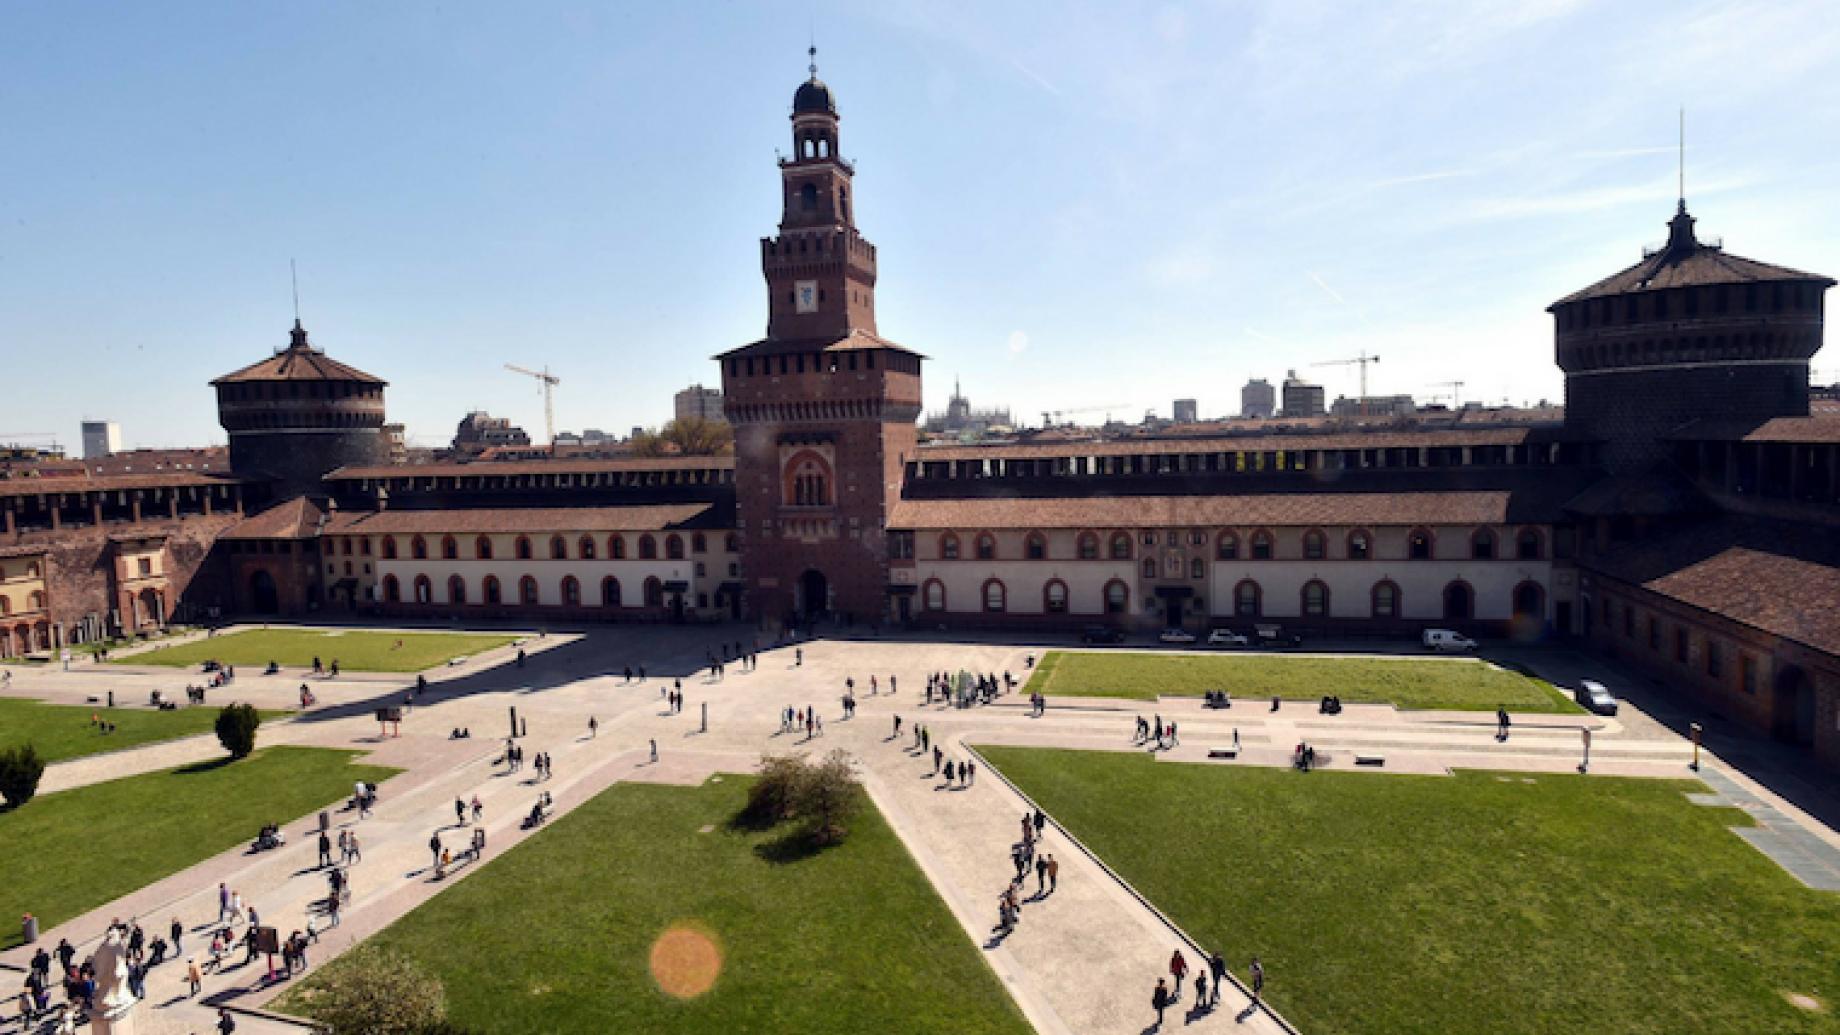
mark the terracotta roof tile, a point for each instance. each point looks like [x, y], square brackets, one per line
[531, 520]
[298, 518]
[1301, 508]
[507, 468]
[110, 483]
[1233, 444]
[1701, 265]
[1823, 429]
[299, 362]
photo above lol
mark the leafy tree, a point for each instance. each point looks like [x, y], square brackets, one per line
[373, 991]
[777, 790]
[687, 436]
[20, 768]
[236, 728]
[831, 797]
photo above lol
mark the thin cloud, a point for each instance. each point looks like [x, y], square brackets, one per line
[1032, 74]
[1321, 284]
[1425, 177]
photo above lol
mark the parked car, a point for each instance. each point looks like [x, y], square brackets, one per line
[1227, 638]
[1595, 697]
[1101, 634]
[1177, 636]
[1446, 640]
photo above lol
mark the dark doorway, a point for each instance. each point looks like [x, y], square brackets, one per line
[263, 597]
[1794, 710]
[1458, 602]
[814, 593]
[677, 607]
[1529, 600]
[1172, 613]
[1562, 617]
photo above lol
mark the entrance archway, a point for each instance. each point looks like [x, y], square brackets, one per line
[264, 599]
[1794, 708]
[814, 593]
[1459, 603]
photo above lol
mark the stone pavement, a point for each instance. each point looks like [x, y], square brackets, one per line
[1083, 960]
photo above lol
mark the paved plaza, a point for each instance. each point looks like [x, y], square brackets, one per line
[1084, 960]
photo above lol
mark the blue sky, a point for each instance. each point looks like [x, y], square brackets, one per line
[1075, 204]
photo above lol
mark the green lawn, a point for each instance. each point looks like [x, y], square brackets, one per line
[64, 731]
[356, 651]
[1485, 904]
[555, 935]
[64, 854]
[1459, 683]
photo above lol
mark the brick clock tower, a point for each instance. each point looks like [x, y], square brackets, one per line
[823, 408]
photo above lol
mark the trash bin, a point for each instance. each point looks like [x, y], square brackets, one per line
[29, 929]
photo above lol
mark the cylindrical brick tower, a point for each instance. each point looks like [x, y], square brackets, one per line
[298, 415]
[1691, 332]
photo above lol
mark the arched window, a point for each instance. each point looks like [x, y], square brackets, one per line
[616, 547]
[1227, 548]
[389, 547]
[934, 596]
[418, 548]
[1418, 546]
[1036, 546]
[1196, 568]
[490, 590]
[456, 590]
[1054, 597]
[986, 547]
[1459, 601]
[1386, 600]
[654, 592]
[1315, 599]
[1121, 547]
[524, 550]
[807, 481]
[1482, 545]
[1089, 546]
[610, 592]
[586, 548]
[993, 596]
[1530, 602]
[732, 543]
[450, 550]
[424, 590]
[482, 548]
[1315, 545]
[527, 591]
[1261, 545]
[674, 547]
[392, 590]
[558, 548]
[808, 194]
[1149, 567]
[948, 547]
[1246, 599]
[1117, 598]
[1360, 545]
[1527, 545]
[571, 592]
[648, 548]
[698, 544]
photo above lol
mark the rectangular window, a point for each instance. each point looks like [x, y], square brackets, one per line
[146, 566]
[1680, 644]
[1629, 622]
[700, 572]
[1715, 665]
[1749, 666]
[1654, 633]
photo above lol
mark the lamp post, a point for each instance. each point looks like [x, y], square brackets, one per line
[1585, 766]
[1697, 730]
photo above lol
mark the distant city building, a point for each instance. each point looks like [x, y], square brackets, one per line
[697, 401]
[959, 418]
[1258, 399]
[1302, 399]
[100, 438]
[1374, 406]
[155, 461]
[396, 443]
[480, 431]
[1185, 411]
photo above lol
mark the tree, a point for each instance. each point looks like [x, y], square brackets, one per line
[236, 728]
[20, 768]
[687, 436]
[373, 991]
[831, 797]
[776, 791]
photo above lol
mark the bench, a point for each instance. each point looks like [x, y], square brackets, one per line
[1369, 759]
[1223, 752]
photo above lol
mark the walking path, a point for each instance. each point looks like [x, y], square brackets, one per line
[1083, 959]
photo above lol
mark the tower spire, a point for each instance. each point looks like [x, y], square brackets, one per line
[1683, 159]
[812, 51]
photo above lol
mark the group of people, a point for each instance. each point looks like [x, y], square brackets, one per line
[983, 689]
[1162, 734]
[322, 670]
[1024, 855]
[1207, 993]
[793, 720]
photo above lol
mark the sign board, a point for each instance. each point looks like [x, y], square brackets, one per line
[393, 713]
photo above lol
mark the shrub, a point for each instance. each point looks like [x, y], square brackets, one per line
[372, 991]
[777, 791]
[20, 768]
[236, 728]
[831, 796]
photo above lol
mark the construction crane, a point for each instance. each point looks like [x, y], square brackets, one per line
[1456, 393]
[550, 381]
[1052, 418]
[1361, 361]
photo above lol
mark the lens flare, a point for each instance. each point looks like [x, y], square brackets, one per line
[686, 960]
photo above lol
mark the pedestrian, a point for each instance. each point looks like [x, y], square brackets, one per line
[1173, 739]
[225, 1023]
[1160, 1000]
[1201, 991]
[1218, 965]
[654, 751]
[434, 847]
[479, 843]
[1258, 980]
[1235, 751]
[192, 976]
[1041, 875]
[950, 768]
[177, 929]
[1501, 723]
[897, 725]
[1054, 874]
[594, 727]
[938, 755]
[223, 903]
[325, 849]
[356, 854]
[479, 809]
[1178, 969]
[1041, 820]
[970, 773]
[798, 656]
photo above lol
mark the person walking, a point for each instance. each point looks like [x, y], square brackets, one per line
[434, 847]
[1201, 991]
[1041, 876]
[1041, 820]
[1218, 965]
[1178, 969]
[1258, 980]
[352, 845]
[176, 930]
[225, 1023]
[1160, 1000]
[325, 849]
[1054, 874]
[223, 902]
[1501, 723]
[479, 810]
[798, 656]
[192, 976]
[970, 773]
[897, 725]
[594, 727]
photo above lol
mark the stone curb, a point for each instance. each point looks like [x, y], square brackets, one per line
[1105, 868]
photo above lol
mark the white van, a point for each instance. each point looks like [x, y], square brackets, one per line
[1446, 640]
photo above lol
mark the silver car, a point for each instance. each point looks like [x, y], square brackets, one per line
[1595, 697]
